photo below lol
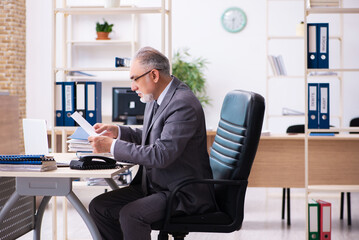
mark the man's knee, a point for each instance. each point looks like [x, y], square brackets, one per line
[94, 204]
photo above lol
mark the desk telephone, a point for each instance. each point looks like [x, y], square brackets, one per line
[88, 162]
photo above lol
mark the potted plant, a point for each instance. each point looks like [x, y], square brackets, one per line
[191, 73]
[103, 30]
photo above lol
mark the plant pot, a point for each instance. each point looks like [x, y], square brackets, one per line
[103, 36]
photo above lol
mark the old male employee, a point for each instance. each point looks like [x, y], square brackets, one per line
[170, 149]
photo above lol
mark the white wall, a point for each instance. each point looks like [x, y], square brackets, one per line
[38, 59]
[236, 61]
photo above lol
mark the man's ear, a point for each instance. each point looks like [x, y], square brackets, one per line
[155, 74]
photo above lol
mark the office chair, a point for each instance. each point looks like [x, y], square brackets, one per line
[231, 159]
[286, 191]
[353, 123]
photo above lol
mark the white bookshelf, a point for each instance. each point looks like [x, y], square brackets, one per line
[73, 45]
[342, 130]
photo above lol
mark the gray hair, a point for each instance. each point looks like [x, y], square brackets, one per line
[152, 58]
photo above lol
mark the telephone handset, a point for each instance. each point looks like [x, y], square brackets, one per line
[88, 162]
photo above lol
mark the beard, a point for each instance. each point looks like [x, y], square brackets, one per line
[146, 98]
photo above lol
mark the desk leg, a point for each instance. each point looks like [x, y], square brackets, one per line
[38, 217]
[85, 215]
[8, 205]
[111, 183]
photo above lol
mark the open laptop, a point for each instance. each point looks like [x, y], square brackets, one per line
[35, 136]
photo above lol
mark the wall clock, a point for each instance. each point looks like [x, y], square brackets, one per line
[234, 19]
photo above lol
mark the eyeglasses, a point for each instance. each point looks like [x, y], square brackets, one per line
[135, 79]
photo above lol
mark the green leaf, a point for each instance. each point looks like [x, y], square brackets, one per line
[190, 71]
[105, 27]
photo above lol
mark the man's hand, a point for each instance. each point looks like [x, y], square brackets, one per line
[111, 130]
[100, 144]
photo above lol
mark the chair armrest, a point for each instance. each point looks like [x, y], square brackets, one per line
[194, 181]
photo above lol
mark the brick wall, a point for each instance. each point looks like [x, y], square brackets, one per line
[13, 53]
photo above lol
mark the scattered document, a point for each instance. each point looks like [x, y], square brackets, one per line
[291, 112]
[323, 74]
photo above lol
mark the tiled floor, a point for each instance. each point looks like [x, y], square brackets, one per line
[262, 218]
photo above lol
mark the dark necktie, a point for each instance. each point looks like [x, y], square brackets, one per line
[144, 174]
[155, 107]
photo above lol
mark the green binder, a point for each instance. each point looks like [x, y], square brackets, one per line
[313, 220]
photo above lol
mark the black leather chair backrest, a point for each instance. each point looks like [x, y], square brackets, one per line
[236, 142]
[296, 128]
[354, 123]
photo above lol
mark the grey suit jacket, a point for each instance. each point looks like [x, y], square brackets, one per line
[172, 147]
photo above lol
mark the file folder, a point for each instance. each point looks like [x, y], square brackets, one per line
[323, 45]
[69, 102]
[93, 102]
[325, 226]
[80, 98]
[59, 111]
[324, 115]
[312, 57]
[313, 105]
[313, 220]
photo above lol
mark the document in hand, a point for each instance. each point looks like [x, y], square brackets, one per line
[82, 133]
[84, 124]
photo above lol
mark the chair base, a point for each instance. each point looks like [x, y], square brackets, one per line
[176, 236]
[348, 207]
[288, 205]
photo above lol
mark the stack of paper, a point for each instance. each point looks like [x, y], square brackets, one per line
[78, 141]
[39, 163]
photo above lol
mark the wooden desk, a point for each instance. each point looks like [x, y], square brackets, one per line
[56, 183]
[57, 138]
[279, 162]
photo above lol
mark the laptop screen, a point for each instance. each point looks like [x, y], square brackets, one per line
[35, 136]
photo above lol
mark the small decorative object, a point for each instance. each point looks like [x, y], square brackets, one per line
[103, 30]
[191, 73]
[299, 29]
[234, 19]
[111, 3]
[122, 62]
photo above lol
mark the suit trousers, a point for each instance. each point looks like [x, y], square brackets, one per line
[127, 213]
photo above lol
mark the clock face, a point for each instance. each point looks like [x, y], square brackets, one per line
[234, 19]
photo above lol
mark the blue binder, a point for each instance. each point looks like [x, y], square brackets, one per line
[323, 45]
[313, 105]
[93, 102]
[59, 110]
[69, 102]
[324, 114]
[81, 98]
[312, 56]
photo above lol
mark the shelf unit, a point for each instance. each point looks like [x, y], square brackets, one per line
[65, 42]
[270, 77]
[325, 188]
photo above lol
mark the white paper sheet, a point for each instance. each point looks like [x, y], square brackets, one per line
[84, 124]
